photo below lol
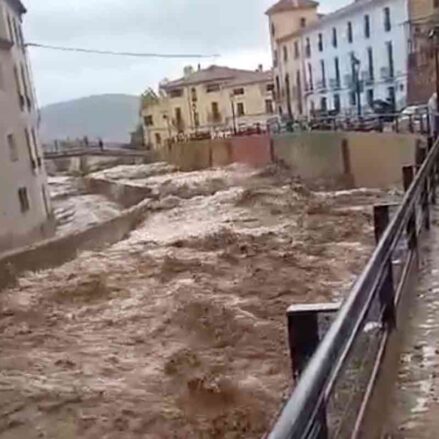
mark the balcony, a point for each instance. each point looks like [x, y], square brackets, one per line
[349, 81]
[387, 74]
[367, 77]
[334, 83]
[321, 85]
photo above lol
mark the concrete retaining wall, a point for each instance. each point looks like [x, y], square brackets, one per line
[57, 251]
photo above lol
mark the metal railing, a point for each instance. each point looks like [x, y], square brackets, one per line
[334, 388]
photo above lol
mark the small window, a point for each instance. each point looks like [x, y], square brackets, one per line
[158, 139]
[350, 33]
[269, 106]
[352, 97]
[296, 50]
[30, 150]
[270, 87]
[215, 112]
[308, 48]
[177, 93]
[194, 94]
[285, 51]
[334, 37]
[148, 121]
[320, 44]
[196, 119]
[367, 26]
[240, 109]
[24, 200]
[211, 88]
[45, 200]
[323, 104]
[302, 22]
[387, 21]
[275, 61]
[273, 30]
[13, 151]
[178, 114]
[370, 97]
[238, 91]
[337, 105]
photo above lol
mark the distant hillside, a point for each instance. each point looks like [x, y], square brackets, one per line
[111, 117]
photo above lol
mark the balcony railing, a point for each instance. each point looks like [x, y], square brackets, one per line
[334, 83]
[387, 73]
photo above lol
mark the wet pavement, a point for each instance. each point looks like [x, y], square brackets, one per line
[415, 399]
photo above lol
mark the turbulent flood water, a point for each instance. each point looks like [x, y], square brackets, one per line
[179, 331]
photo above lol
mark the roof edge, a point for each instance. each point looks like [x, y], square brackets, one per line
[17, 5]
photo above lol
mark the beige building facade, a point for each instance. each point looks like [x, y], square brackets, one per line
[208, 102]
[25, 211]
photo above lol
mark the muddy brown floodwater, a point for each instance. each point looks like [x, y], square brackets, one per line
[179, 330]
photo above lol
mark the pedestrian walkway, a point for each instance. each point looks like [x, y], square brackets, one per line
[414, 404]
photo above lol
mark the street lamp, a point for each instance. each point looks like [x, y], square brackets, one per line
[356, 63]
[433, 36]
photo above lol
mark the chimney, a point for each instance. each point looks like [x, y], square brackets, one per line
[187, 71]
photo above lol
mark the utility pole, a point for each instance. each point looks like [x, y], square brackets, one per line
[433, 36]
[356, 72]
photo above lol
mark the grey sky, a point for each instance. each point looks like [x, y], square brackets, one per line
[235, 29]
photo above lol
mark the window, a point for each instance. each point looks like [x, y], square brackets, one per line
[26, 90]
[177, 93]
[302, 22]
[323, 72]
[367, 26]
[334, 37]
[18, 88]
[24, 200]
[196, 119]
[13, 151]
[275, 58]
[277, 86]
[194, 94]
[178, 119]
[352, 98]
[323, 104]
[320, 44]
[211, 88]
[390, 59]
[285, 51]
[313, 107]
[337, 105]
[238, 91]
[296, 50]
[45, 200]
[30, 150]
[308, 48]
[268, 106]
[337, 71]
[387, 22]
[36, 147]
[240, 109]
[370, 97]
[391, 96]
[158, 139]
[215, 112]
[310, 78]
[270, 87]
[370, 63]
[350, 32]
[11, 33]
[273, 30]
[148, 121]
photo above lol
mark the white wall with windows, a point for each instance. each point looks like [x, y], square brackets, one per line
[369, 37]
[25, 211]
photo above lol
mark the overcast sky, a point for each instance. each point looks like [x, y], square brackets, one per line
[235, 29]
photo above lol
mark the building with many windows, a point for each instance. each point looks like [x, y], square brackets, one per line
[25, 212]
[342, 61]
[209, 101]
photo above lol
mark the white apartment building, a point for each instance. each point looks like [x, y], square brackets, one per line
[25, 211]
[342, 61]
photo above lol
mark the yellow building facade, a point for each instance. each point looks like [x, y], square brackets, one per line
[215, 101]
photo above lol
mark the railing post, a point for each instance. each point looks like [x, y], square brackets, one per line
[433, 178]
[387, 292]
[305, 324]
[421, 154]
[407, 178]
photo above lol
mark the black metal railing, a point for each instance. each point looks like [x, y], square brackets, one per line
[332, 393]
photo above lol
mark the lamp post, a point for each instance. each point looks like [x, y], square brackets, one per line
[356, 71]
[433, 36]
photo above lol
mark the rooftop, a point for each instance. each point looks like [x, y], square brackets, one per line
[218, 73]
[288, 5]
[17, 5]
